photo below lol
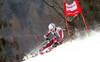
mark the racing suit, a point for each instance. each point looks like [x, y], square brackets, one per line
[58, 37]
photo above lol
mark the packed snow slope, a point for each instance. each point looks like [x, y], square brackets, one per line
[85, 49]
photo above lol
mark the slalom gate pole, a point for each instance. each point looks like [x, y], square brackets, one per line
[13, 49]
[18, 49]
[64, 1]
[66, 22]
[85, 24]
[68, 29]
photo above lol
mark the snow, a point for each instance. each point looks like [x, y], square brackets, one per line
[80, 50]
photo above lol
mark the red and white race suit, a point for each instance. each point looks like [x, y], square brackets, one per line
[58, 37]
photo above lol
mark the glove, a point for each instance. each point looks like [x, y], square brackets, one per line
[46, 38]
[55, 45]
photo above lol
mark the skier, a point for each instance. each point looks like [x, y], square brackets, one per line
[56, 40]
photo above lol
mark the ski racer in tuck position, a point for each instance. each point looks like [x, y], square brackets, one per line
[56, 40]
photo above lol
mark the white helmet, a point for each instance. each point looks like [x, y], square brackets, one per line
[51, 26]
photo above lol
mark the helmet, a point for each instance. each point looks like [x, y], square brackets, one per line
[51, 26]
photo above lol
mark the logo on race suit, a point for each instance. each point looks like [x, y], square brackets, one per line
[71, 7]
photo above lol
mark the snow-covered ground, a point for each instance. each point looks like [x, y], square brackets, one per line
[80, 50]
